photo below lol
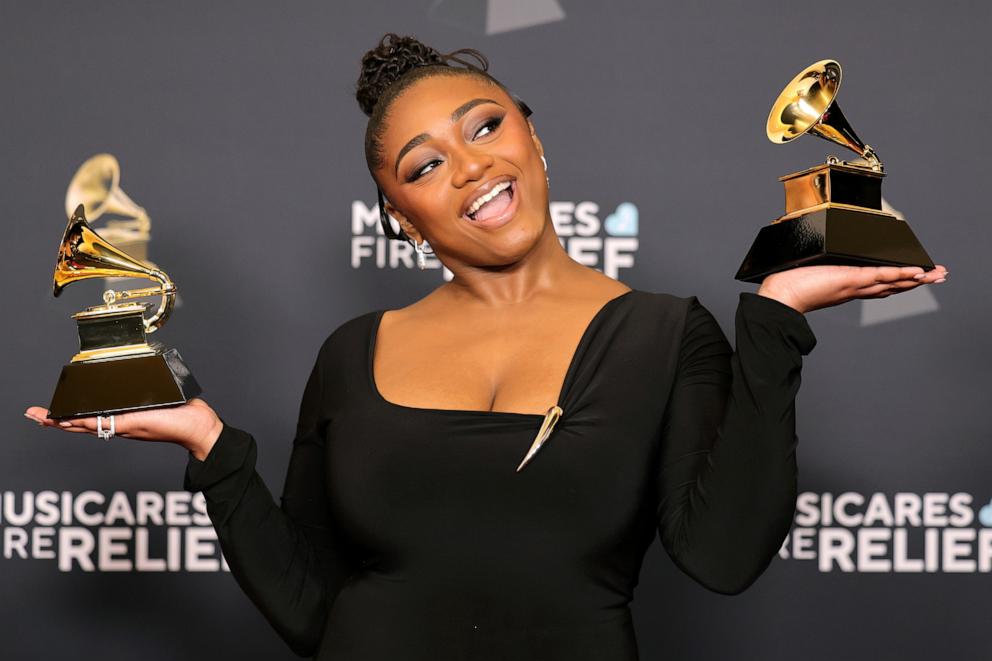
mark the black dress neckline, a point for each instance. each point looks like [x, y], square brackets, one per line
[573, 366]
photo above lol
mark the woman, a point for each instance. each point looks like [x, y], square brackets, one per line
[422, 517]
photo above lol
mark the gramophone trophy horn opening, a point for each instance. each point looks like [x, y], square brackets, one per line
[808, 105]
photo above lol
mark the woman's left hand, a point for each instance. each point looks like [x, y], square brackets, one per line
[809, 288]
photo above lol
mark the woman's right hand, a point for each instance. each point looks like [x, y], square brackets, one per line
[193, 425]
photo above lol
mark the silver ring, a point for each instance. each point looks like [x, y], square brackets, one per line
[101, 432]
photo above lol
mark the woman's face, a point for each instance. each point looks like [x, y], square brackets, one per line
[449, 141]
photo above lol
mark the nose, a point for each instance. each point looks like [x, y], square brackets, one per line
[469, 165]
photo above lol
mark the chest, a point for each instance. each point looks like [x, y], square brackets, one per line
[487, 364]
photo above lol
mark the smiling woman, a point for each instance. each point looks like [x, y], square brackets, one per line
[405, 532]
[478, 475]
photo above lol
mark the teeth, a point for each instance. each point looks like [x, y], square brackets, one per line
[497, 189]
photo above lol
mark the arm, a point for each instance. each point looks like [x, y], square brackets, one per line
[286, 558]
[727, 475]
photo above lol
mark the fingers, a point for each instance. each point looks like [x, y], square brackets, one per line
[883, 289]
[874, 275]
[875, 279]
[938, 274]
[78, 425]
[86, 424]
[39, 415]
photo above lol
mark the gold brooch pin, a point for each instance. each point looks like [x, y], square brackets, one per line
[550, 418]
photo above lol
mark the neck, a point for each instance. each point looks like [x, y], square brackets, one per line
[545, 268]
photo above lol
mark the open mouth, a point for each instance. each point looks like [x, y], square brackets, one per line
[496, 207]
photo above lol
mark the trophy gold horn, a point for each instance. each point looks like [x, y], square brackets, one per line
[96, 185]
[84, 254]
[808, 105]
[116, 369]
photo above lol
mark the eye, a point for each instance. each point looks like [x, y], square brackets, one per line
[421, 171]
[492, 123]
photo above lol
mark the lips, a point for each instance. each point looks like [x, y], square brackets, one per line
[482, 190]
[502, 219]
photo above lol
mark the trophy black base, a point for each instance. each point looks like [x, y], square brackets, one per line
[105, 387]
[833, 236]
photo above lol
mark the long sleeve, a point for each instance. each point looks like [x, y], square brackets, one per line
[727, 475]
[285, 558]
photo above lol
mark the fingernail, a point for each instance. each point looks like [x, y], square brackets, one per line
[920, 275]
[31, 417]
[941, 280]
[65, 423]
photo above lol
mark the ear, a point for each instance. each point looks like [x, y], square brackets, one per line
[405, 224]
[536, 140]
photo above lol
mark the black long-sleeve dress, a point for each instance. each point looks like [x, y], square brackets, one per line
[407, 533]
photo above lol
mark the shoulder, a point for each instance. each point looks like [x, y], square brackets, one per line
[684, 308]
[685, 316]
[664, 299]
[347, 338]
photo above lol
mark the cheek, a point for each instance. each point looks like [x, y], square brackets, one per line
[431, 195]
[430, 206]
[520, 145]
[524, 157]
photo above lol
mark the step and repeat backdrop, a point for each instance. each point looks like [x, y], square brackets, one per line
[238, 169]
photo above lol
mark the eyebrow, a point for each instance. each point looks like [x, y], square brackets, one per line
[418, 140]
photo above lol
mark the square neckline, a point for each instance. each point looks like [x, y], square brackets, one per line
[569, 372]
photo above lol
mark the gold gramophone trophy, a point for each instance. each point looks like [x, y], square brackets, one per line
[833, 212]
[116, 369]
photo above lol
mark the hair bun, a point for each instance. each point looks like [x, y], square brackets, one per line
[384, 64]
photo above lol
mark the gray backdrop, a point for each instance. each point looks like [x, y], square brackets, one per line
[236, 128]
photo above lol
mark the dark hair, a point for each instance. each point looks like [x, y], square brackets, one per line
[392, 66]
